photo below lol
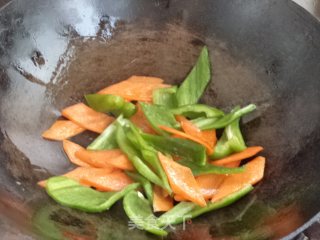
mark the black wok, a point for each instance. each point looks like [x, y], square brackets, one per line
[265, 52]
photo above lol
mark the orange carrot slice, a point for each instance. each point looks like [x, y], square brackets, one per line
[232, 164]
[184, 135]
[138, 88]
[70, 149]
[253, 173]
[247, 153]
[161, 203]
[105, 158]
[62, 129]
[181, 180]
[209, 137]
[209, 183]
[179, 198]
[114, 181]
[42, 183]
[83, 172]
[140, 120]
[87, 118]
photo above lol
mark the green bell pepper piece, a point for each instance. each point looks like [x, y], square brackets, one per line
[197, 80]
[146, 185]
[178, 211]
[197, 110]
[151, 157]
[110, 103]
[209, 168]
[134, 157]
[216, 123]
[165, 97]
[221, 203]
[149, 154]
[159, 116]
[139, 211]
[176, 218]
[70, 193]
[179, 147]
[107, 139]
[234, 136]
[222, 148]
[230, 142]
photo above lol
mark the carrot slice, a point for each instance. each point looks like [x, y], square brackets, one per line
[179, 198]
[165, 193]
[232, 164]
[141, 121]
[105, 158]
[254, 173]
[209, 183]
[87, 118]
[70, 149]
[247, 153]
[42, 183]
[184, 135]
[138, 88]
[83, 172]
[62, 129]
[181, 180]
[209, 137]
[160, 202]
[114, 181]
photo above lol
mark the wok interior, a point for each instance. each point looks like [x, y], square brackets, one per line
[55, 52]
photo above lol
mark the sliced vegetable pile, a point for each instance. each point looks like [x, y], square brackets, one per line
[160, 154]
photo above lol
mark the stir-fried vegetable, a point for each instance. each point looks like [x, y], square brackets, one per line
[253, 174]
[165, 97]
[182, 181]
[110, 104]
[186, 210]
[216, 122]
[105, 158]
[197, 111]
[147, 186]
[231, 141]
[137, 88]
[62, 129]
[87, 117]
[161, 202]
[159, 116]
[149, 154]
[71, 194]
[70, 149]
[112, 182]
[209, 168]
[107, 139]
[194, 85]
[179, 147]
[207, 137]
[196, 139]
[137, 162]
[139, 211]
[140, 120]
[162, 153]
[247, 153]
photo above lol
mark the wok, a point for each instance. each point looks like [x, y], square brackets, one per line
[265, 52]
